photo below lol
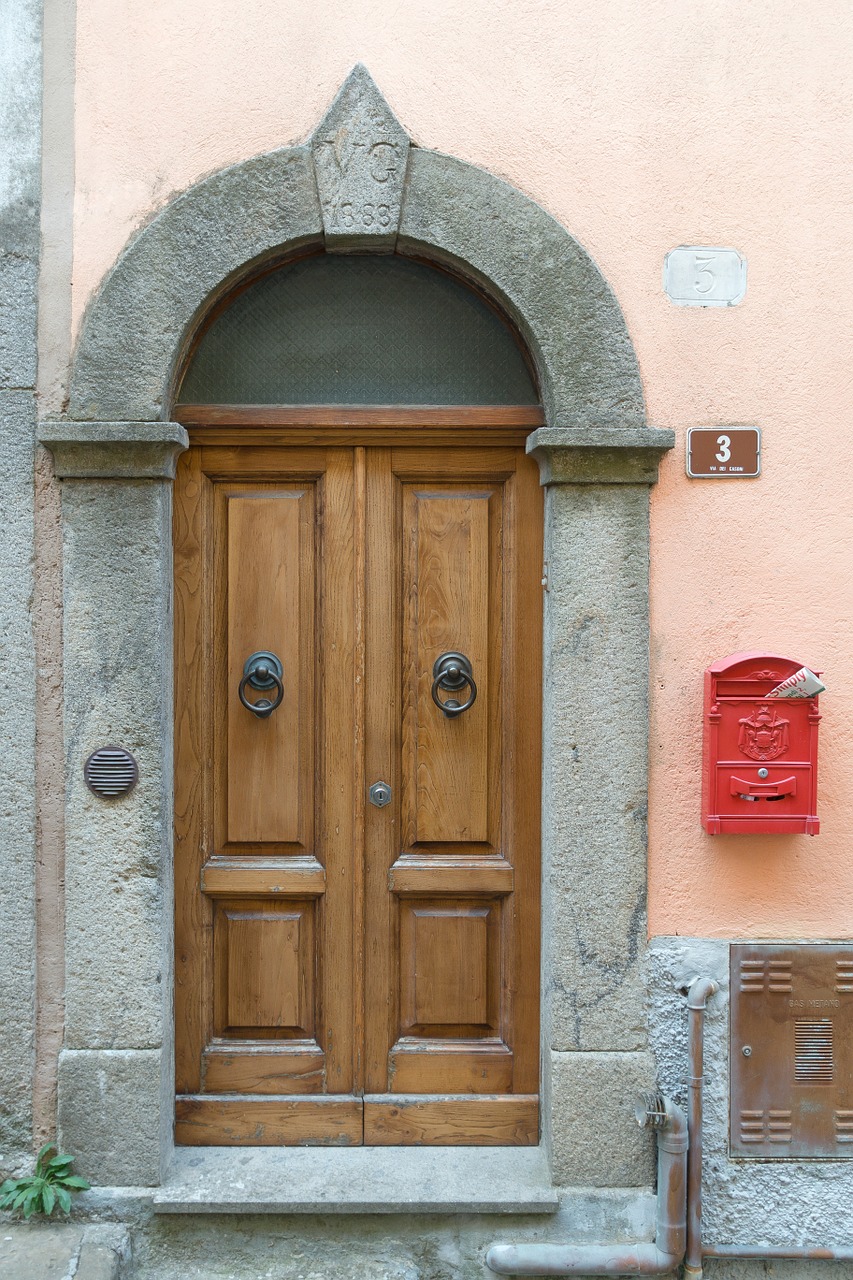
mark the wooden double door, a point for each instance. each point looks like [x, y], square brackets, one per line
[350, 972]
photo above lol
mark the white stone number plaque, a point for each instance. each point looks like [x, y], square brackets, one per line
[704, 277]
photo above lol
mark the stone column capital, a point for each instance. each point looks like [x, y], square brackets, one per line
[599, 455]
[114, 450]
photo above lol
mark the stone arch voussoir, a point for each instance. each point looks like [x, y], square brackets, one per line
[138, 324]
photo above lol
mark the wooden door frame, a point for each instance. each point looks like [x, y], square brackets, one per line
[273, 430]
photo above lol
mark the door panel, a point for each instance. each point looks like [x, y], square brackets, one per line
[452, 863]
[446, 596]
[264, 962]
[508, 1121]
[264, 1001]
[449, 968]
[346, 973]
[269, 763]
[268, 1122]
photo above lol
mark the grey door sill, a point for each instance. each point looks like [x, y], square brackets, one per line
[357, 1180]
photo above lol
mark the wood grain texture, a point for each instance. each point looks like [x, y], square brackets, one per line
[449, 932]
[245, 988]
[446, 589]
[268, 765]
[282, 877]
[470, 1066]
[367, 953]
[291, 1067]
[352, 437]
[419, 874]
[264, 968]
[360, 784]
[450, 965]
[338, 768]
[521, 779]
[394, 417]
[269, 968]
[482, 1121]
[207, 1120]
[192, 646]
[383, 571]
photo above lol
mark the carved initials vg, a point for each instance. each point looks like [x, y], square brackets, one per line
[360, 155]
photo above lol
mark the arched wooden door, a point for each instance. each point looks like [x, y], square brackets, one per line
[350, 971]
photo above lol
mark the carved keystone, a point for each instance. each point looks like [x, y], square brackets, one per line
[360, 154]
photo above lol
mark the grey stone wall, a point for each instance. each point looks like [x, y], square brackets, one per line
[20, 110]
[775, 1202]
[370, 1247]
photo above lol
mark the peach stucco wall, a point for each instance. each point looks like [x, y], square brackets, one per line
[640, 126]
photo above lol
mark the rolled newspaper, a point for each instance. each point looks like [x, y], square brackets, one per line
[802, 684]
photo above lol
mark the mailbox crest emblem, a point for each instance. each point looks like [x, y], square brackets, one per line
[764, 734]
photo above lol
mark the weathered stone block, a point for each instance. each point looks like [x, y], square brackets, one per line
[17, 798]
[143, 316]
[360, 155]
[20, 189]
[115, 450]
[147, 308]
[595, 730]
[548, 283]
[111, 1105]
[60, 1251]
[118, 680]
[595, 1138]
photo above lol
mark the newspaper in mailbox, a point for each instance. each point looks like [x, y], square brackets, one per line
[802, 684]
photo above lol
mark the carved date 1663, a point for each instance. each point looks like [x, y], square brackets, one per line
[344, 213]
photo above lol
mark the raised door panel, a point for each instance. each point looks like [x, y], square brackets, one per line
[453, 861]
[268, 602]
[265, 961]
[265, 881]
[449, 968]
[446, 589]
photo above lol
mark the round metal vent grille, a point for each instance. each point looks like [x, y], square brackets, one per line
[110, 772]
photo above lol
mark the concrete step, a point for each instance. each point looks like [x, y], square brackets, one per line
[63, 1251]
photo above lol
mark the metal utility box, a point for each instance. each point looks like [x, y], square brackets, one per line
[760, 754]
[791, 1051]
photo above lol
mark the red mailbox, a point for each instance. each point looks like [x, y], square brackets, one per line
[760, 760]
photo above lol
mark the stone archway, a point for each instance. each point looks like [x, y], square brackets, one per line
[116, 451]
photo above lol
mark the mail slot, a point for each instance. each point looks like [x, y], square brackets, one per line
[760, 756]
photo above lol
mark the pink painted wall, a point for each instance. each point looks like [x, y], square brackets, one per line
[640, 127]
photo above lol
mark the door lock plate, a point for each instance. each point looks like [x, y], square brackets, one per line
[380, 794]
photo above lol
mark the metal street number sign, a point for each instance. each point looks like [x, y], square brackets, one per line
[704, 277]
[723, 452]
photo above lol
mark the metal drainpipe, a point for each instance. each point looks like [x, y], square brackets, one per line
[701, 989]
[638, 1258]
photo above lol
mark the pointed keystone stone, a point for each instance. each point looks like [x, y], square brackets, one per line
[360, 153]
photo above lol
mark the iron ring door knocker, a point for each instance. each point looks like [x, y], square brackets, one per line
[262, 671]
[452, 672]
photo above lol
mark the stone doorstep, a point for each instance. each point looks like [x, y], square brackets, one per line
[62, 1251]
[357, 1180]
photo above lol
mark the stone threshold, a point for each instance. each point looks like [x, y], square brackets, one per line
[357, 1180]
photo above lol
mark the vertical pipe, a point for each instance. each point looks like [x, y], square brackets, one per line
[701, 989]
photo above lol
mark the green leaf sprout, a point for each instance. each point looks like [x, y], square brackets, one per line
[48, 1188]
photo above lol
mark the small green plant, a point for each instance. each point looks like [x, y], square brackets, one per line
[50, 1185]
